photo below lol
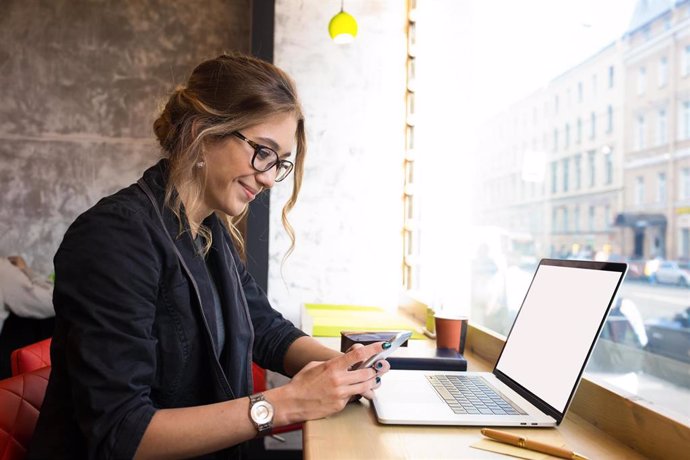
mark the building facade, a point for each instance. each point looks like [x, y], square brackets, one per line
[597, 162]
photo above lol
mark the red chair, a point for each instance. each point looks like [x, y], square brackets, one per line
[30, 357]
[21, 398]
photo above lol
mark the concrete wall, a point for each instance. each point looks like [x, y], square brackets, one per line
[349, 216]
[81, 84]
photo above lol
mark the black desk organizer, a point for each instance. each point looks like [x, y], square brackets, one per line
[435, 359]
[426, 359]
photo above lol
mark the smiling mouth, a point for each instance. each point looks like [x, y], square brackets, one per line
[251, 193]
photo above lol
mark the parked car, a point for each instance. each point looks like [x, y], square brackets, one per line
[670, 337]
[672, 272]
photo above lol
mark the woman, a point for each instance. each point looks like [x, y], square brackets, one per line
[158, 321]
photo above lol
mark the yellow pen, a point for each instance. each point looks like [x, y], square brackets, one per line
[521, 441]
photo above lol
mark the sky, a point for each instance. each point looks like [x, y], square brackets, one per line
[506, 49]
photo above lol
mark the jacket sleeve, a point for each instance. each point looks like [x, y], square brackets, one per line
[273, 334]
[107, 273]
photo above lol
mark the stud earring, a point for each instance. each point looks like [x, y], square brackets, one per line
[200, 164]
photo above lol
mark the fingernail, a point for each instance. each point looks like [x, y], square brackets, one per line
[378, 380]
[379, 365]
[386, 345]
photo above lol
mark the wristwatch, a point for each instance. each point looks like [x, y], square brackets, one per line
[261, 413]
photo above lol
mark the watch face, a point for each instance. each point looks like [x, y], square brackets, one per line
[262, 412]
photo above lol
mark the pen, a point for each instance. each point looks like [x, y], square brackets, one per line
[525, 443]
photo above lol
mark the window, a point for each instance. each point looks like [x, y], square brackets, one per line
[609, 119]
[577, 159]
[639, 133]
[591, 160]
[594, 85]
[566, 224]
[555, 104]
[566, 173]
[608, 168]
[578, 135]
[685, 243]
[567, 135]
[579, 91]
[554, 177]
[639, 190]
[684, 184]
[661, 188]
[576, 219]
[592, 211]
[641, 80]
[610, 76]
[684, 121]
[554, 220]
[607, 216]
[593, 125]
[555, 140]
[662, 129]
[685, 64]
[663, 72]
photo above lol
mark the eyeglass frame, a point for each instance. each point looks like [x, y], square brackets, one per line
[258, 148]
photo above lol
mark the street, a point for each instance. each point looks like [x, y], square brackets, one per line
[655, 300]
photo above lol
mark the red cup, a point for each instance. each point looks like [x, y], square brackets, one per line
[451, 332]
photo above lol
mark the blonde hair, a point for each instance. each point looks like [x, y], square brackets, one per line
[223, 95]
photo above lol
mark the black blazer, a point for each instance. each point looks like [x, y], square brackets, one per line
[133, 333]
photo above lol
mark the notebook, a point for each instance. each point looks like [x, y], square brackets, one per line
[539, 368]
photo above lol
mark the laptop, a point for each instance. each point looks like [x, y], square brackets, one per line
[539, 368]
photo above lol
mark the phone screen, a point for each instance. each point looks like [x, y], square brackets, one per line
[395, 342]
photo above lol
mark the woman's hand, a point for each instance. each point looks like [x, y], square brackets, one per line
[324, 388]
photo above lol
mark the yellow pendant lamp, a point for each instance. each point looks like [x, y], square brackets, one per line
[343, 27]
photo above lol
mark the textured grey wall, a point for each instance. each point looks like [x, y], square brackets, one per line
[81, 82]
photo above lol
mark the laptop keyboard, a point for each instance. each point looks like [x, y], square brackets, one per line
[471, 394]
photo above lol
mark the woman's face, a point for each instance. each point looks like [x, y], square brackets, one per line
[231, 181]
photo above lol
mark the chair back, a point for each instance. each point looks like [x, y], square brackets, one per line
[30, 357]
[21, 397]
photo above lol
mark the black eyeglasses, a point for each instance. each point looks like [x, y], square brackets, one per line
[265, 158]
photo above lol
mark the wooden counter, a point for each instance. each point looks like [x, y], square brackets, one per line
[354, 433]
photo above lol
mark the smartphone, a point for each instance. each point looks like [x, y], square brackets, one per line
[395, 342]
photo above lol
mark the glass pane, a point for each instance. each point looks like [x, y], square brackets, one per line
[580, 157]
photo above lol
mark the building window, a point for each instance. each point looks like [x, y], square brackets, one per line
[578, 135]
[663, 71]
[555, 140]
[554, 220]
[554, 177]
[685, 66]
[611, 74]
[684, 121]
[608, 168]
[593, 125]
[592, 211]
[609, 119]
[580, 96]
[594, 85]
[662, 129]
[607, 216]
[641, 80]
[578, 171]
[591, 160]
[576, 218]
[555, 104]
[566, 173]
[639, 136]
[661, 188]
[684, 184]
[639, 190]
[567, 135]
[566, 224]
[685, 243]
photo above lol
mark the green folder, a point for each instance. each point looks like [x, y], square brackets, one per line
[328, 320]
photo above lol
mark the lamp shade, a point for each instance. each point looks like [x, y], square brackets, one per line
[343, 28]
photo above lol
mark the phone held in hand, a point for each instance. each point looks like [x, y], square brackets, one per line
[395, 342]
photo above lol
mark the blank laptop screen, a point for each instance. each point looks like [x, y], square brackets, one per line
[555, 329]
